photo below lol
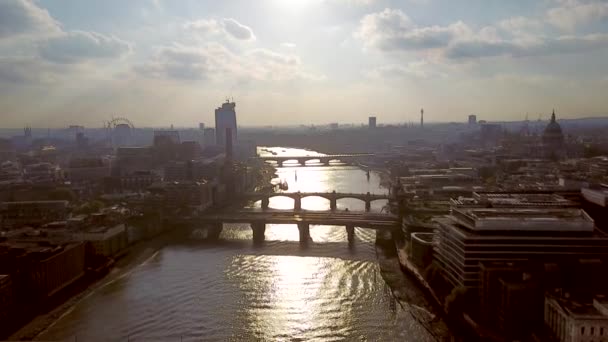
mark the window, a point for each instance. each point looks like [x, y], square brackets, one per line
[601, 331]
[592, 330]
[582, 330]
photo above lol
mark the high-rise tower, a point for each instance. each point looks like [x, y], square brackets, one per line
[422, 118]
[225, 117]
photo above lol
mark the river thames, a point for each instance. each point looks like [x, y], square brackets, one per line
[233, 290]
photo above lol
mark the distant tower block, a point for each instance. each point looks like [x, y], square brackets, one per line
[472, 119]
[372, 122]
[422, 118]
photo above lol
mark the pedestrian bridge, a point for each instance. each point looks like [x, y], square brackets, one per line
[303, 219]
[332, 197]
[323, 159]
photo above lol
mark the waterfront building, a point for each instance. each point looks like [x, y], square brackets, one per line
[225, 117]
[105, 241]
[41, 268]
[573, 320]
[33, 213]
[472, 235]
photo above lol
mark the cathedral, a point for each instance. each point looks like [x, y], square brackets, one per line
[553, 140]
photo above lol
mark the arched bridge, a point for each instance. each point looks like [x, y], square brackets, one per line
[304, 219]
[333, 198]
[324, 159]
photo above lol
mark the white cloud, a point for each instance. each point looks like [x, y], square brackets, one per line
[23, 17]
[573, 13]
[79, 46]
[289, 45]
[237, 30]
[393, 30]
[215, 61]
[228, 26]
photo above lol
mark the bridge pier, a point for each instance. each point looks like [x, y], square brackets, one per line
[368, 206]
[325, 161]
[304, 229]
[214, 231]
[302, 162]
[350, 232]
[265, 203]
[297, 203]
[280, 162]
[259, 228]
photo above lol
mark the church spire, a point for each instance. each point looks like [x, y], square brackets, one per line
[553, 116]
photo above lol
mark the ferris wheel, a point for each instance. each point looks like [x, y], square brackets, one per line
[120, 121]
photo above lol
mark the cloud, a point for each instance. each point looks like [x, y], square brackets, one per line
[215, 61]
[203, 26]
[79, 46]
[573, 13]
[540, 47]
[23, 17]
[393, 30]
[228, 26]
[237, 30]
[289, 45]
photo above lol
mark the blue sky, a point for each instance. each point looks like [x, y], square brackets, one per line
[162, 62]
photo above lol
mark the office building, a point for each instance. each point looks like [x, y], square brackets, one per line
[225, 117]
[32, 213]
[470, 236]
[372, 122]
[472, 119]
[573, 320]
[208, 137]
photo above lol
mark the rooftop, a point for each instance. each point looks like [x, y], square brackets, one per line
[517, 219]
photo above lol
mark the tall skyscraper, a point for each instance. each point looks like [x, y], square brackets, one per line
[225, 117]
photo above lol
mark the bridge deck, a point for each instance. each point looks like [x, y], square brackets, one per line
[318, 194]
[353, 218]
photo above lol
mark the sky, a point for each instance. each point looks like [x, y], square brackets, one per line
[285, 62]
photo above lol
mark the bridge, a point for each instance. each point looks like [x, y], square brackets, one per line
[258, 220]
[324, 159]
[333, 198]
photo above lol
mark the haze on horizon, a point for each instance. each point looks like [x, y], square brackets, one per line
[161, 62]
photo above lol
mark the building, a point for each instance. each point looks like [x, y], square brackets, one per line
[105, 241]
[472, 119]
[372, 122]
[209, 137]
[473, 235]
[553, 139]
[41, 268]
[32, 213]
[225, 117]
[7, 299]
[87, 170]
[166, 136]
[490, 134]
[572, 320]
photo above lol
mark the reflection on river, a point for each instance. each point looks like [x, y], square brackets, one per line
[233, 290]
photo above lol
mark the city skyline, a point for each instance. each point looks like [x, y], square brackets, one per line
[300, 62]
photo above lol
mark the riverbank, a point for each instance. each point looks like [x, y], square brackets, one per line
[408, 292]
[135, 256]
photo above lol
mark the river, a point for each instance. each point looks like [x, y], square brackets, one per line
[233, 290]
